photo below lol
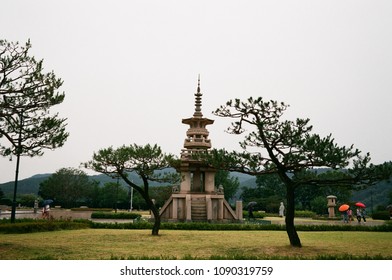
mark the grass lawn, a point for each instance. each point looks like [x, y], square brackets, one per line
[97, 244]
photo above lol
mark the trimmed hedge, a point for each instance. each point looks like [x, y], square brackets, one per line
[121, 215]
[218, 227]
[92, 209]
[43, 225]
[53, 225]
[256, 214]
[304, 214]
[381, 215]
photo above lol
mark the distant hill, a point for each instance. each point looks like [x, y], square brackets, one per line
[25, 186]
[374, 195]
[31, 185]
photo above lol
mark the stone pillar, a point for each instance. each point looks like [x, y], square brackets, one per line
[188, 206]
[331, 205]
[209, 207]
[186, 182]
[238, 210]
[209, 182]
[175, 208]
[220, 209]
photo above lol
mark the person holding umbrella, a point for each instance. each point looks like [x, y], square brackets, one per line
[350, 215]
[250, 209]
[343, 209]
[361, 213]
[46, 208]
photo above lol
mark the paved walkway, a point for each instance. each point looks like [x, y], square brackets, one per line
[309, 221]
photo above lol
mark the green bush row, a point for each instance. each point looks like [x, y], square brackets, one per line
[52, 225]
[298, 213]
[381, 215]
[92, 209]
[256, 214]
[120, 215]
[42, 225]
[304, 214]
[229, 226]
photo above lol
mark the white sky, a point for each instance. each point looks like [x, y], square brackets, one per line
[130, 68]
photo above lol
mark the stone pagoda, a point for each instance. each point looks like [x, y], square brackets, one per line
[197, 198]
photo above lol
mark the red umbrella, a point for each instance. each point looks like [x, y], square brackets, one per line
[360, 204]
[344, 207]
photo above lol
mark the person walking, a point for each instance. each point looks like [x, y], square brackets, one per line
[345, 216]
[350, 215]
[359, 215]
[46, 211]
[363, 214]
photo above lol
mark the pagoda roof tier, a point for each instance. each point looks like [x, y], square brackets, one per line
[194, 120]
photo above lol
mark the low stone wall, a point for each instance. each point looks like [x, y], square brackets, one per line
[55, 213]
[69, 214]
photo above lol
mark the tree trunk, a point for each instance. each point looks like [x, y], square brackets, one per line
[290, 228]
[157, 220]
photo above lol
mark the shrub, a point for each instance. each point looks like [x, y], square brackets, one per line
[256, 214]
[42, 225]
[387, 227]
[121, 215]
[304, 214]
[92, 209]
[381, 215]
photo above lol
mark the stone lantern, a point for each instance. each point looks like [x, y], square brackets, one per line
[331, 205]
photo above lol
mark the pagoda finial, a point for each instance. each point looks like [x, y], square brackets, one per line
[198, 96]
[198, 84]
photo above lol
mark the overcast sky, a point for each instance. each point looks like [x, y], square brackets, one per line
[130, 68]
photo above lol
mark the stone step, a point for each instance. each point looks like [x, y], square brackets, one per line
[199, 210]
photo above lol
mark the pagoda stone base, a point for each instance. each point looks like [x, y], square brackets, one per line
[187, 207]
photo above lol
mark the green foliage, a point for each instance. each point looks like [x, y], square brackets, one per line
[256, 214]
[27, 94]
[381, 215]
[319, 205]
[268, 194]
[5, 201]
[29, 225]
[379, 194]
[160, 194]
[390, 197]
[229, 183]
[145, 161]
[92, 209]
[304, 214]
[120, 215]
[111, 195]
[387, 227]
[68, 187]
[27, 199]
[41, 226]
[289, 149]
